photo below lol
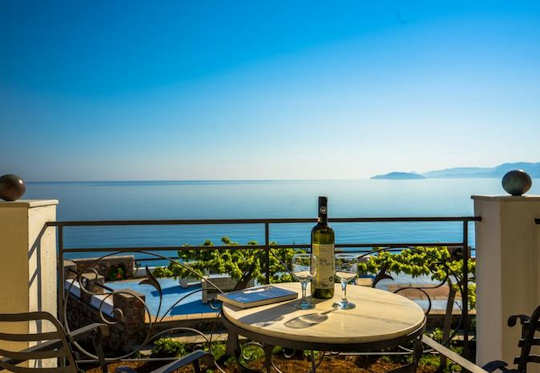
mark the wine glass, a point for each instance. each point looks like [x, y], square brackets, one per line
[303, 269]
[346, 271]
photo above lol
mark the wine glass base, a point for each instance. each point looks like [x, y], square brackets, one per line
[344, 305]
[305, 305]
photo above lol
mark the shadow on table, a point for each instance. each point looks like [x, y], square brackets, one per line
[308, 320]
[269, 316]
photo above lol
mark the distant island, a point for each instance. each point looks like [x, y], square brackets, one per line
[400, 176]
[533, 169]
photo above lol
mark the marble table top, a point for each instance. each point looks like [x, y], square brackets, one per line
[379, 315]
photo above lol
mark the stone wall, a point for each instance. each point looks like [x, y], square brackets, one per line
[129, 327]
[129, 318]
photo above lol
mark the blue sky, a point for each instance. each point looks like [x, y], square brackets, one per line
[115, 90]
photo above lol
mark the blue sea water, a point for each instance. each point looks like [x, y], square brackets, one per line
[262, 199]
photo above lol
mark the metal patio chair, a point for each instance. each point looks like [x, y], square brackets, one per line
[57, 345]
[529, 326]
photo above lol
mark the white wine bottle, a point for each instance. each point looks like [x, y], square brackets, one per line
[322, 247]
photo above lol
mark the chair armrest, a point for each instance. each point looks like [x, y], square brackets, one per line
[52, 344]
[456, 358]
[497, 364]
[185, 360]
[512, 320]
[102, 328]
[42, 346]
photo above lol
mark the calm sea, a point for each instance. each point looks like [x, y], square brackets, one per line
[262, 199]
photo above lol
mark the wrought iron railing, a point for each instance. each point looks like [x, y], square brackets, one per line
[363, 248]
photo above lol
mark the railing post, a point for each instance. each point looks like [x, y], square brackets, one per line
[507, 271]
[60, 273]
[267, 244]
[465, 287]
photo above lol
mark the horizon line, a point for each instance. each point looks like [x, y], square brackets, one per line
[184, 180]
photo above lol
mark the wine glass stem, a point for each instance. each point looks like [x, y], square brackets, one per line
[304, 287]
[344, 289]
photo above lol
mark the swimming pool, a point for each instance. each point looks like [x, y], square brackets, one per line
[172, 291]
[193, 304]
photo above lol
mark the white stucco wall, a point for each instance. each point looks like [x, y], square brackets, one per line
[27, 273]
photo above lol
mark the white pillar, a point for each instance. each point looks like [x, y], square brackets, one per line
[27, 262]
[507, 271]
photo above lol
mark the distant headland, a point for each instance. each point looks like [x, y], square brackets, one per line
[533, 169]
[400, 176]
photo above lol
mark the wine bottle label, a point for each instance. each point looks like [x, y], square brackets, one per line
[324, 278]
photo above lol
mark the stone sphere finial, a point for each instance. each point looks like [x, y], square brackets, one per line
[12, 187]
[516, 182]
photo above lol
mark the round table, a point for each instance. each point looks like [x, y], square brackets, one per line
[380, 320]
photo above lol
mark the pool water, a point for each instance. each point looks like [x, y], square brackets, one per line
[172, 292]
[192, 304]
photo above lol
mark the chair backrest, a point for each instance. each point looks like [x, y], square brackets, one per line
[50, 345]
